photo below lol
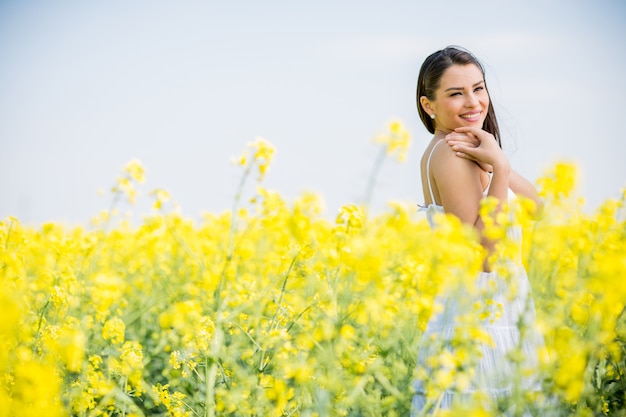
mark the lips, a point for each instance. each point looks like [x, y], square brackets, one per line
[471, 117]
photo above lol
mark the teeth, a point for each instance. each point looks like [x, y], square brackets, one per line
[470, 116]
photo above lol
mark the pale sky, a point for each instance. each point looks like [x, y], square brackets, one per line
[183, 86]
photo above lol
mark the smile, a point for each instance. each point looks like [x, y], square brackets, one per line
[471, 116]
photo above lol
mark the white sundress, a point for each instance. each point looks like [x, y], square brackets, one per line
[492, 378]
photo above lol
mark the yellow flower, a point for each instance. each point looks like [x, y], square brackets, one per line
[36, 390]
[559, 182]
[350, 215]
[397, 140]
[132, 364]
[72, 344]
[135, 170]
[262, 154]
[113, 330]
[161, 197]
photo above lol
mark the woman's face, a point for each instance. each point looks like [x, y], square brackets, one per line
[460, 100]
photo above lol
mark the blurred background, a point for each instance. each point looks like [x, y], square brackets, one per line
[183, 86]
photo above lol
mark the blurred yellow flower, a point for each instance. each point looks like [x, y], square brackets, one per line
[113, 330]
[351, 216]
[396, 140]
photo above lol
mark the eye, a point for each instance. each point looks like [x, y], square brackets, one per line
[479, 88]
[455, 94]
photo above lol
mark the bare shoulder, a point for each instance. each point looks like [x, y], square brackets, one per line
[445, 163]
[456, 183]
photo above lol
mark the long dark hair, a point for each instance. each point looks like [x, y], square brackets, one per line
[430, 76]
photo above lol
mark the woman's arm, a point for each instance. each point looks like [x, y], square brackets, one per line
[483, 150]
[524, 188]
[520, 185]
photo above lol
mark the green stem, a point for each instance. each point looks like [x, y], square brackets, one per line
[282, 292]
[223, 374]
[6, 242]
[254, 342]
[189, 407]
[210, 373]
[42, 313]
[126, 394]
[231, 236]
[373, 175]
[100, 242]
[181, 242]
[233, 215]
[106, 225]
[298, 317]
[274, 321]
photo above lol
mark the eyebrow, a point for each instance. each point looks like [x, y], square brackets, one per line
[461, 88]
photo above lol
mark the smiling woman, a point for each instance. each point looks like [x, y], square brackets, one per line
[463, 178]
[465, 70]
[460, 98]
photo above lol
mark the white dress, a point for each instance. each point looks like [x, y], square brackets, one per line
[494, 376]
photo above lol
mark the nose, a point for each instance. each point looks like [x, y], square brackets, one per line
[471, 100]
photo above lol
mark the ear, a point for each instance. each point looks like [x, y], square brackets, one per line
[426, 105]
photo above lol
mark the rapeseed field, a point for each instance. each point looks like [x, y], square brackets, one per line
[271, 309]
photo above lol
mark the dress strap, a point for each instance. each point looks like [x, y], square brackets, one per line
[488, 184]
[430, 187]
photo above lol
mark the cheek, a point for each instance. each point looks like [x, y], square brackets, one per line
[450, 107]
[485, 100]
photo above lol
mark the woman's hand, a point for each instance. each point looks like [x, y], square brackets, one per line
[479, 146]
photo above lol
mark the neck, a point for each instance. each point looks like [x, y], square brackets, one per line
[440, 134]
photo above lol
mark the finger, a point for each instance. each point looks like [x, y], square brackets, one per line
[474, 132]
[465, 148]
[465, 156]
[466, 139]
[462, 138]
[470, 143]
[459, 135]
[472, 153]
[469, 129]
[480, 134]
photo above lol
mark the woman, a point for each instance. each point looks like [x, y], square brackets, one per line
[463, 164]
